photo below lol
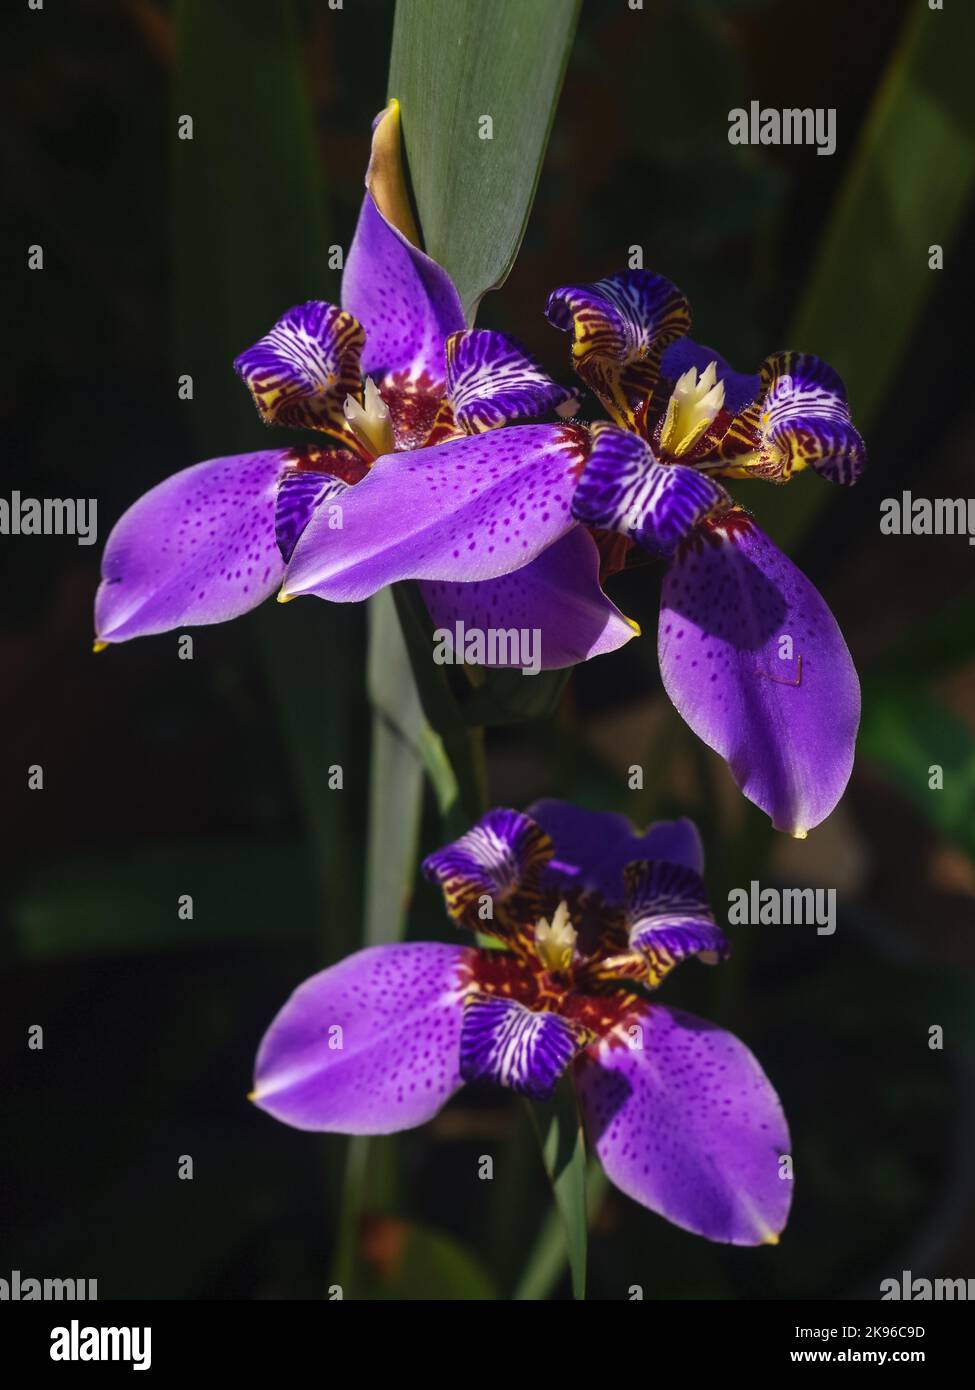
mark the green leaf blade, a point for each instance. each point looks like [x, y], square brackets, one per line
[454, 63]
[908, 184]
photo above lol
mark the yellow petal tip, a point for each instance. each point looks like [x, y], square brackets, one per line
[637, 629]
[770, 1239]
[800, 834]
[99, 646]
[385, 178]
[284, 597]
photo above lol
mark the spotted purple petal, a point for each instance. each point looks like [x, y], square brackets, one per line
[404, 300]
[467, 510]
[370, 1046]
[504, 1042]
[301, 372]
[198, 548]
[623, 488]
[557, 596]
[491, 381]
[754, 662]
[620, 327]
[489, 877]
[592, 848]
[684, 1121]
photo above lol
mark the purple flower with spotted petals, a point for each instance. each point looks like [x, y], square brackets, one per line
[749, 653]
[589, 918]
[391, 379]
[494, 522]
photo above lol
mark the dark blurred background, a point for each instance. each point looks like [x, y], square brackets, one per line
[164, 777]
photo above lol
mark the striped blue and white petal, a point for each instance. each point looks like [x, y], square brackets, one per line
[491, 381]
[805, 420]
[300, 494]
[500, 860]
[300, 372]
[668, 917]
[503, 1041]
[313, 476]
[620, 328]
[624, 488]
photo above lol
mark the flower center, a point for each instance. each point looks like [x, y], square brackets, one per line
[693, 404]
[555, 941]
[371, 423]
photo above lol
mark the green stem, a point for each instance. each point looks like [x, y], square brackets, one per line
[345, 1264]
[558, 1125]
[545, 1264]
[463, 744]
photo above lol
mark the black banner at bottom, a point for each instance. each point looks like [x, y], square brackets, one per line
[168, 1340]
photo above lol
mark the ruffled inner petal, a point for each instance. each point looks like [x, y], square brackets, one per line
[806, 418]
[490, 876]
[301, 372]
[620, 328]
[491, 381]
[800, 419]
[592, 848]
[668, 917]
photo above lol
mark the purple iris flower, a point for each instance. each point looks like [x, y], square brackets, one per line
[749, 653]
[385, 378]
[588, 919]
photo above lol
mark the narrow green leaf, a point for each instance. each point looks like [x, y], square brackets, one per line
[443, 708]
[564, 1154]
[395, 803]
[306, 648]
[345, 1261]
[403, 744]
[906, 189]
[546, 1261]
[457, 65]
